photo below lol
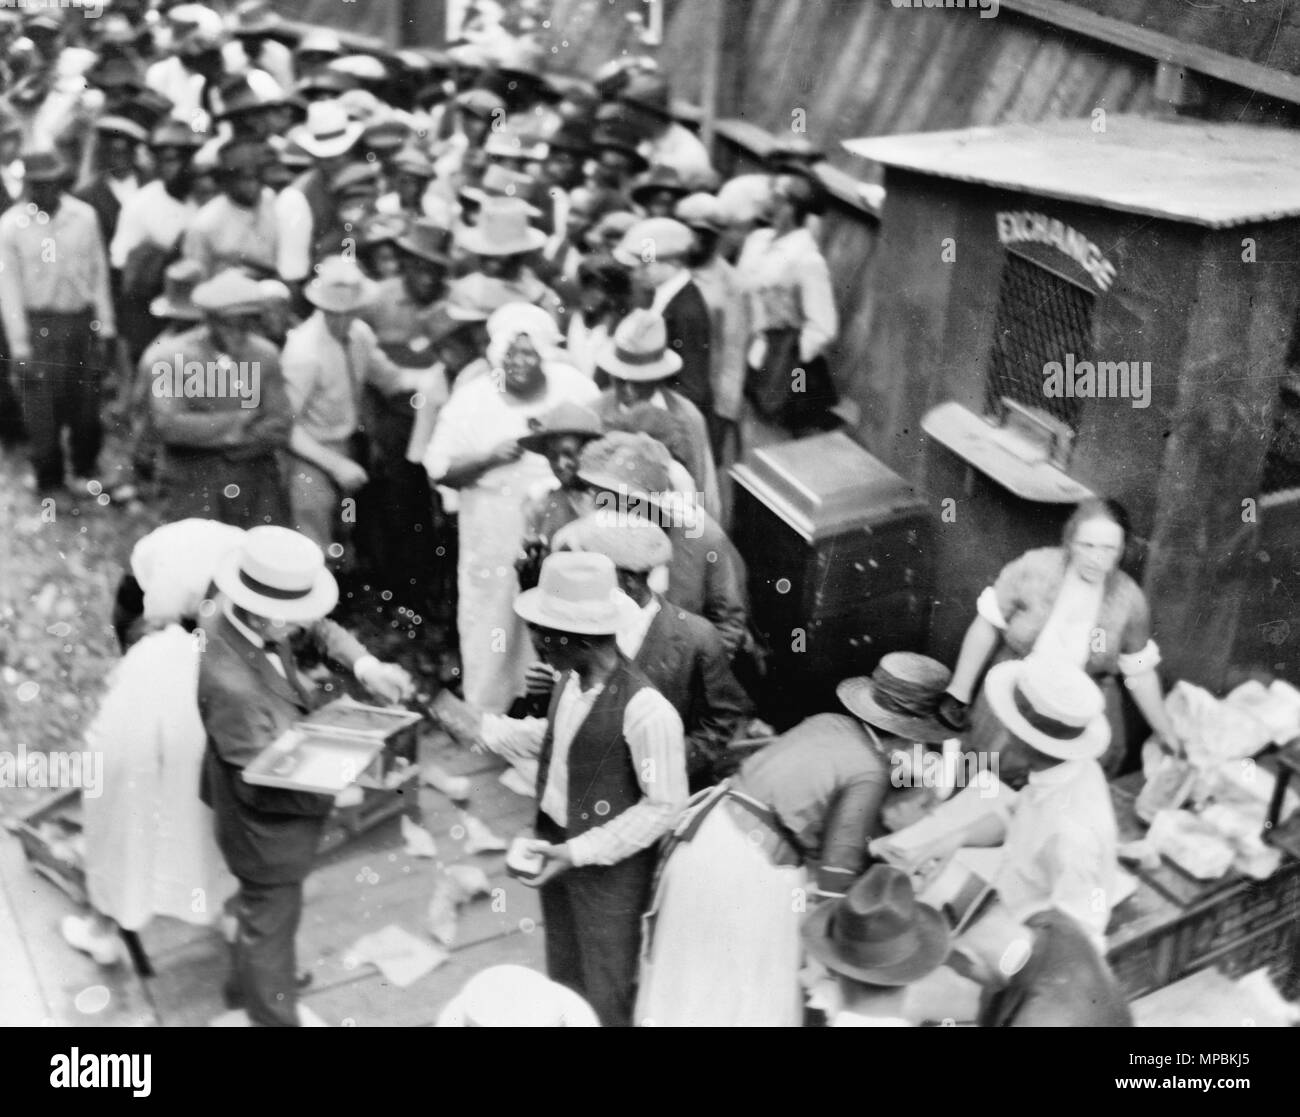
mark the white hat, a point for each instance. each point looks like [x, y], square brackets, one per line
[279, 574]
[516, 997]
[328, 130]
[577, 593]
[639, 351]
[1053, 707]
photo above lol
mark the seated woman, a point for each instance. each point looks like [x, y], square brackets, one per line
[1075, 604]
[149, 844]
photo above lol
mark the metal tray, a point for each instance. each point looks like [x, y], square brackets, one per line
[306, 759]
[355, 719]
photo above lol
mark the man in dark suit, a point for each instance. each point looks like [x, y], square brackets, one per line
[274, 586]
[679, 652]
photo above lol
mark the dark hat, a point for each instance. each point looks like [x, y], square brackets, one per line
[44, 165]
[146, 108]
[649, 92]
[175, 133]
[878, 934]
[427, 240]
[114, 125]
[613, 137]
[325, 81]
[656, 179]
[236, 96]
[563, 419]
[386, 135]
[244, 155]
[570, 136]
[115, 72]
[253, 17]
[901, 697]
[355, 178]
[604, 271]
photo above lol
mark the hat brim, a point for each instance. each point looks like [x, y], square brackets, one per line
[318, 603]
[413, 249]
[611, 483]
[999, 690]
[670, 364]
[531, 606]
[858, 696]
[537, 441]
[933, 944]
[368, 293]
[639, 193]
[472, 240]
[163, 307]
[326, 149]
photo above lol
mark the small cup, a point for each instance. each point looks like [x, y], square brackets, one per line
[523, 862]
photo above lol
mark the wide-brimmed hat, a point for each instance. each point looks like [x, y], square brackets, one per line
[878, 934]
[577, 592]
[901, 696]
[355, 178]
[657, 179]
[613, 226]
[412, 161]
[480, 102]
[324, 81]
[629, 542]
[322, 41]
[501, 182]
[44, 165]
[655, 238]
[516, 997]
[608, 137]
[386, 136]
[340, 286]
[364, 67]
[382, 228]
[506, 143]
[44, 19]
[113, 125]
[1051, 706]
[117, 73]
[237, 96]
[148, 108]
[328, 131]
[563, 419]
[280, 574]
[177, 298]
[649, 92]
[630, 464]
[175, 133]
[572, 136]
[229, 292]
[700, 211]
[475, 297]
[639, 351]
[425, 239]
[502, 229]
[745, 198]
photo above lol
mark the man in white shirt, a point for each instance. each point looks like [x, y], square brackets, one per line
[611, 780]
[646, 105]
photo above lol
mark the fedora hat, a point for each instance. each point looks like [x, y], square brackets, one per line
[576, 593]
[229, 292]
[114, 125]
[115, 73]
[630, 464]
[700, 211]
[425, 239]
[501, 182]
[355, 179]
[659, 178]
[280, 574]
[328, 131]
[649, 92]
[44, 165]
[900, 697]
[639, 351]
[177, 298]
[502, 230]
[878, 934]
[148, 108]
[340, 286]
[412, 161]
[563, 419]
[1051, 706]
[629, 542]
[510, 996]
[175, 133]
[475, 297]
[663, 237]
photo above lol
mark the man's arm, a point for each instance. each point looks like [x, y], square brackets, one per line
[102, 291]
[724, 605]
[718, 706]
[199, 430]
[12, 308]
[654, 737]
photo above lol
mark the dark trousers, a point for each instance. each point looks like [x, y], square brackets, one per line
[247, 492]
[264, 980]
[593, 929]
[59, 389]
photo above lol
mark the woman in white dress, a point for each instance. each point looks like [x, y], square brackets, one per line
[475, 452]
[149, 844]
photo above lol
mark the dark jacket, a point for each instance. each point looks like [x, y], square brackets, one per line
[1065, 983]
[706, 577]
[104, 202]
[689, 329]
[266, 834]
[684, 659]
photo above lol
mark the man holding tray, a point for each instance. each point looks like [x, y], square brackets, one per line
[274, 585]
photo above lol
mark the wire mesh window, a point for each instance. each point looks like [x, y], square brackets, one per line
[1282, 458]
[1041, 317]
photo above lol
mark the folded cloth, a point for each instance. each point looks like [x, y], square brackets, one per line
[401, 957]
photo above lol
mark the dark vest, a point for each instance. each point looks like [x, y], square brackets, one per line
[602, 777]
[326, 231]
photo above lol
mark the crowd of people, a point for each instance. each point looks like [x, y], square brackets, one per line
[493, 335]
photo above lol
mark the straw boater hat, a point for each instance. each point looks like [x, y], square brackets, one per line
[576, 593]
[502, 230]
[878, 934]
[563, 419]
[516, 997]
[901, 697]
[177, 298]
[279, 574]
[1051, 706]
[340, 286]
[629, 542]
[230, 292]
[666, 238]
[639, 351]
[328, 131]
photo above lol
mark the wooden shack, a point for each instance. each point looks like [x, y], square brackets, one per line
[1167, 246]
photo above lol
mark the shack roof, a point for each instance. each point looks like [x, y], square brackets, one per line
[1204, 173]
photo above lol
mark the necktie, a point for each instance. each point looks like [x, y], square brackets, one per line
[281, 650]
